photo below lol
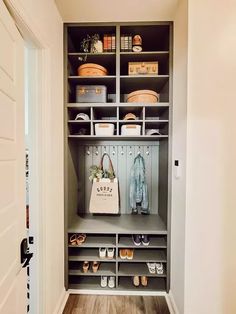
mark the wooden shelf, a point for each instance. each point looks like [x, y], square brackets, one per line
[123, 224]
[154, 284]
[86, 282]
[97, 241]
[119, 137]
[90, 255]
[121, 105]
[155, 242]
[105, 269]
[143, 53]
[143, 255]
[136, 269]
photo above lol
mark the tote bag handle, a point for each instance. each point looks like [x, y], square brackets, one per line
[111, 169]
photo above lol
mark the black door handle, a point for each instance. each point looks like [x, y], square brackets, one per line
[24, 253]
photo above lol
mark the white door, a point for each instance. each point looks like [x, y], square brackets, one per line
[12, 182]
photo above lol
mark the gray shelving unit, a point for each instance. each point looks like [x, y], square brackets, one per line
[82, 151]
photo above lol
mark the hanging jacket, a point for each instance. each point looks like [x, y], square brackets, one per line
[138, 185]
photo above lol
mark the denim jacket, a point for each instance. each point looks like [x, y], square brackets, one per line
[138, 185]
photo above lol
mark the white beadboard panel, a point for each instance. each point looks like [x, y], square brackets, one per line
[7, 216]
[7, 183]
[8, 111]
[7, 52]
[122, 156]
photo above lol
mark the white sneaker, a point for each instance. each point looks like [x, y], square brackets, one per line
[103, 281]
[151, 268]
[110, 253]
[159, 268]
[111, 282]
[102, 252]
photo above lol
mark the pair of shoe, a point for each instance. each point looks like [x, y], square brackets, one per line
[77, 239]
[139, 239]
[106, 253]
[108, 281]
[95, 266]
[126, 253]
[142, 279]
[156, 268]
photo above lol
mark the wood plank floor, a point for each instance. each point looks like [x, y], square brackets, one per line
[96, 304]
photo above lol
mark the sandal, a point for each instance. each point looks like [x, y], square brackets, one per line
[151, 268]
[95, 266]
[73, 239]
[81, 238]
[85, 267]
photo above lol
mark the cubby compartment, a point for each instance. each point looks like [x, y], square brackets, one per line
[95, 240]
[154, 37]
[137, 269]
[154, 284]
[143, 255]
[157, 112]
[105, 269]
[156, 241]
[73, 112]
[154, 128]
[138, 111]
[86, 254]
[79, 128]
[103, 113]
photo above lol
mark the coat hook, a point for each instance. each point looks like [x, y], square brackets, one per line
[105, 150]
[130, 152]
[113, 152]
[147, 152]
[96, 153]
[88, 152]
[122, 151]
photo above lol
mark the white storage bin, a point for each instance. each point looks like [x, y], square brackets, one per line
[104, 129]
[131, 129]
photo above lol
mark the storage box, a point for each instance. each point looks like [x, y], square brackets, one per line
[144, 96]
[91, 69]
[139, 68]
[131, 129]
[91, 93]
[104, 129]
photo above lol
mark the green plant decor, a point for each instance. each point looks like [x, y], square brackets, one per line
[97, 173]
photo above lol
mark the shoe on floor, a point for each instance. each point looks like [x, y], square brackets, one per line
[151, 268]
[102, 252]
[144, 281]
[145, 239]
[123, 253]
[111, 282]
[110, 253]
[130, 254]
[136, 281]
[103, 281]
[137, 239]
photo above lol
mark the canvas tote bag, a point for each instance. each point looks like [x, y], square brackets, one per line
[105, 193]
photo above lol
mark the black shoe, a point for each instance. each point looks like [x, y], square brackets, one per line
[137, 239]
[145, 239]
[134, 211]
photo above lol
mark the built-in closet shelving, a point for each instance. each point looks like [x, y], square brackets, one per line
[82, 151]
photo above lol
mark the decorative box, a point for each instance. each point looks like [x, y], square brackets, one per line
[91, 93]
[130, 129]
[144, 96]
[142, 68]
[104, 129]
[92, 69]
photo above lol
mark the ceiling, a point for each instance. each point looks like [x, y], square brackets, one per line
[116, 10]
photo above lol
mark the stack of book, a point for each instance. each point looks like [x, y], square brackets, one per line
[125, 43]
[109, 43]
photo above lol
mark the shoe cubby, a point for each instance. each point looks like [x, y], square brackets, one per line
[84, 148]
[154, 284]
[137, 269]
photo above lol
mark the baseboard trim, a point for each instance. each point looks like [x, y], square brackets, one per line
[171, 303]
[117, 292]
[61, 302]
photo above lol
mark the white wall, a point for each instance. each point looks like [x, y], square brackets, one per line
[210, 262]
[179, 153]
[116, 10]
[43, 19]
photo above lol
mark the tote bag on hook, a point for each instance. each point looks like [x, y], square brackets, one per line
[105, 193]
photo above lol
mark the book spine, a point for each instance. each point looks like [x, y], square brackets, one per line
[113, 44]
[105, 42]
[109, 43]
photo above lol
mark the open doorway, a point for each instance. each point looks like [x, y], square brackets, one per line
[32, 144]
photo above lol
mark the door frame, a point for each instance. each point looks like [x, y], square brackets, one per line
[41, 145]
